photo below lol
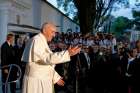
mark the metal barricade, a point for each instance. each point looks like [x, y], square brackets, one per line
[19, 73]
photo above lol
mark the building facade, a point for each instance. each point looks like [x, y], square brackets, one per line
[27, 16]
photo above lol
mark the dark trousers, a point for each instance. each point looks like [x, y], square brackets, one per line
[11, 78]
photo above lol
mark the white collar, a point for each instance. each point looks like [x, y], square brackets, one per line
[8, 43]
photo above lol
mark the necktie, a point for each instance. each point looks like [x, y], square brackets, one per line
[88, 60]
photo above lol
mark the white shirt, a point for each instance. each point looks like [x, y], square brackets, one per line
[88, 59]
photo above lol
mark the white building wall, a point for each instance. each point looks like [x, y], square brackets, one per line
[50, 14]
[9, 9]
[32, 13]
[68, 24]
[23, 10]
[36, 5]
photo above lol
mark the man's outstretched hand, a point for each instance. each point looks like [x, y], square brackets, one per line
[74, 50]
[61, 82]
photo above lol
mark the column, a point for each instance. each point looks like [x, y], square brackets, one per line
[3, 24]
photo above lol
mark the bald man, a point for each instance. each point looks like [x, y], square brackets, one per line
[40, 75]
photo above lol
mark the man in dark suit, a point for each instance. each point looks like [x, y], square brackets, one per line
[7, 58]
[133, 72]
[84, 66]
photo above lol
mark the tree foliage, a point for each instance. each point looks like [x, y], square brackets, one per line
[136, 13]
[90, 12]
[121, 24]
[136, 16]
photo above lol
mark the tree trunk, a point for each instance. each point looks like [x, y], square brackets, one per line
[86, 14]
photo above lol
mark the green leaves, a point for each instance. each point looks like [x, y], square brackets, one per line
[121, 24]
[136, 13]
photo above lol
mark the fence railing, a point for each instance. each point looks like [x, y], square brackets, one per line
[19, 74]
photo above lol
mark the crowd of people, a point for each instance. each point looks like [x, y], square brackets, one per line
[103, 65]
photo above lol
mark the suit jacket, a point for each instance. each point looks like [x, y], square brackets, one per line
[133, 70]
[40, 74]
[83, 60]
[7, 54]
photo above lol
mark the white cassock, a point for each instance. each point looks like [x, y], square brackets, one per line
[40, 75]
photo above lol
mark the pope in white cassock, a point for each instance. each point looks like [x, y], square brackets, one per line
[40, 75]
